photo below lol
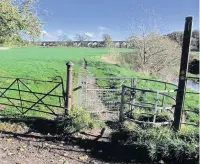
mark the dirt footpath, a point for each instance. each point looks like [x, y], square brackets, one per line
[92, 146]
[29, 150]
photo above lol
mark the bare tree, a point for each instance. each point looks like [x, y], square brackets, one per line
[153, 53]
[82, 37]
[63, 37]
[64, 40]
[177, 36]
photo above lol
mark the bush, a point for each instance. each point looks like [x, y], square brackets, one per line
[163, 144]
[79, 119]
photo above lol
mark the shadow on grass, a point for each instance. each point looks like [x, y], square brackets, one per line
[39, 125]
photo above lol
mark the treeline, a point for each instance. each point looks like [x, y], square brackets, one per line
[178, 36]
[92, 44]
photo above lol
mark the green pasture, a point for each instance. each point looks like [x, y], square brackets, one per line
[42, 63]
[46, 63]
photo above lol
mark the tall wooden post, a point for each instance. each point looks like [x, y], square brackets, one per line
[69, 85]
[183, 74]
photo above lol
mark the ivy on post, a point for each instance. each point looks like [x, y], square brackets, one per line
[183, 74]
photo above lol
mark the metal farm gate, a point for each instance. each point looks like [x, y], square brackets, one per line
[20, 96]
[102, 95]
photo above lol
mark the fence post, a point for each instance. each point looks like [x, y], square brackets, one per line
[133, 85]
[121, 114]
[155, 107]
[69, 85]
[80, 91]
[182, 74]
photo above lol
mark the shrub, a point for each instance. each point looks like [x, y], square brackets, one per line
[163, 144]
[79, 119]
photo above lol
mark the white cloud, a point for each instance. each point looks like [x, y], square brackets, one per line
[45, 33]
[89, 34]
[102, 28]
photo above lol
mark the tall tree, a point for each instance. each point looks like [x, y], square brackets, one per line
[82, 37]
[153, 53]
[19, 18]
[178, 37]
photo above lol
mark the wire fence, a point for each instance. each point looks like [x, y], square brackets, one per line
[142, 100]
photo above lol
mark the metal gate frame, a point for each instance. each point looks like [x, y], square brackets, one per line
[58, 81]
[101, 99]
[101, 92]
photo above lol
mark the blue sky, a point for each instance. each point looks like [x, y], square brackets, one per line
[95, 17]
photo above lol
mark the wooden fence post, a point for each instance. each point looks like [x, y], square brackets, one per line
[69, 85]
[182, 74]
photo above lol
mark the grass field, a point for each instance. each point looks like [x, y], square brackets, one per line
[41, 63]
[45, 63]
